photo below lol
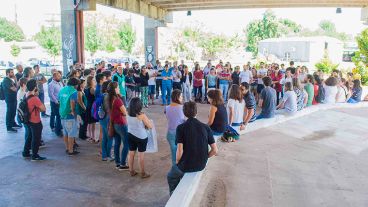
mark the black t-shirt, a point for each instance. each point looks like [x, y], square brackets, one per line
[137, 78]
[235, 78]
[129, 79]
[19, 76]
[220, 121]
[195, 137]
[10, 95]
[144, 79]
[250, 103]
[292, 70]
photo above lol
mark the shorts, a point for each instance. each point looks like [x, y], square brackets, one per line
[151, 89]
[70, 127]
[137, 143]
[260, 87]
[253, 86]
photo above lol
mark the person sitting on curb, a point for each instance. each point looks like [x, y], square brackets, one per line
[267, 100]
[193, 138]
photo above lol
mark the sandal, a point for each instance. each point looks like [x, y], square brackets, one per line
[133, 173]
[145, 175]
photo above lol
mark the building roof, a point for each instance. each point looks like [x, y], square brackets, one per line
[303, 39]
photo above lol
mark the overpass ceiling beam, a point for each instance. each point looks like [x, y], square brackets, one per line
[137, 6]
[203, 5]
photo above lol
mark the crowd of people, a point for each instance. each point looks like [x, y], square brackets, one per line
[115, 95]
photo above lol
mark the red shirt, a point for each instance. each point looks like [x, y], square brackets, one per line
[34, 105]
[198, 74]
[277, 77]
[116, 116]
[314, 102]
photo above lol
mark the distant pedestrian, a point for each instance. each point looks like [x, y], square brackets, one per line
[53, 90]
[10, 92]
[40, 78]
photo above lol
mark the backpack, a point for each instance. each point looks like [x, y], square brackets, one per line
[320, 98]
[2, 95]
[24, 114]
[64, 100]
[98, 112]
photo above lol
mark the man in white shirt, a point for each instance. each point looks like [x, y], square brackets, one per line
[246, 75]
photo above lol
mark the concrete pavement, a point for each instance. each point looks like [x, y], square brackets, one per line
[318, 160]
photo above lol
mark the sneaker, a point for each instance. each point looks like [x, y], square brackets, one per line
[73, 153]
[11, 130]
[38, 158]
[26, 155]
[17, 126]
[123, 167]
[104, 159]
[117, 167]
[110, 159]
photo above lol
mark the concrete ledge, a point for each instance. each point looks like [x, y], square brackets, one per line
[184, 192]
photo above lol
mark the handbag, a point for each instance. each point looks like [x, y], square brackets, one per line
[111, 130]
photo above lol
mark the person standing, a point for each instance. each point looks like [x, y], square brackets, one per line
[19, 74]
[151, 83]
[68, 98]
[261, 73]
[33, 135]
[159, 70]
[193, 138]
[246, 75]
[235, 76]
[120, 78]
[166, 85]
[10, 92]
[276, 77]
[118, 113]
[197, 83]
[21, 93]
[175, 116]
[138, 123]
[186, 82]
[130, 86]
[176, 78]
[53, 90]
[143, 88]
[81, 110]
[224, 78]
[40, 78]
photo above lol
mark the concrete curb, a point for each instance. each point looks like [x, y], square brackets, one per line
[183, 194]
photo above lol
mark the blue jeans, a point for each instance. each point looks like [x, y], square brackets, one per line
[55, 121]
[171, 138]
[166, 92]
[197, 90]
[224, 88]
[121, 134]
[352, 101]
[106, 140]
[41, 96]
[173, 177]
[11, 109]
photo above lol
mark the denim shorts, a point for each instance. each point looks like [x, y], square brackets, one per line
[70, 127]
[151, 90]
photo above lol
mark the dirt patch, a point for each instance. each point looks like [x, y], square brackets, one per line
[215, 195]
[318, 135]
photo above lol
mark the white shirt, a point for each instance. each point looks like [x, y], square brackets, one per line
[238, 108]
[342, 93]
[245, 76]
[152, 79]
[262, 72]
[330, 94]
[290, 102]
[285, 80]
[176, 76]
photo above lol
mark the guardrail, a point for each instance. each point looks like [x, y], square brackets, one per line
[183, 194]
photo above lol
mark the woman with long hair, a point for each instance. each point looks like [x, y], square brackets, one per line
[330, 87]
[81, 109]
[235, 108]
[106, 141]
[89, 91]
[138, 123]
[118, 112]
[217, 119]
[342, 91]
[356, 95]
[175, 116]
[276, 77]
[301, 95]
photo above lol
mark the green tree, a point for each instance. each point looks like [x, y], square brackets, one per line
[50, 39]
[361, 56]
[10, 31]
[326, 28]
[92, 40]
[14, 50]
[213, 44]
[268, 27]
[127, 37]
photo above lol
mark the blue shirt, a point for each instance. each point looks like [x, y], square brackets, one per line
[98, 91]
[166, 74]
[268, 95]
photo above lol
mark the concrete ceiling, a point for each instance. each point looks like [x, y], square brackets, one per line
[159, 9]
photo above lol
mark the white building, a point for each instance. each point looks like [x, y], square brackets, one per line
[302, 49]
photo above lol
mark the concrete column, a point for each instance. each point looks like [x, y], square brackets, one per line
[72, 34]
[151, 39]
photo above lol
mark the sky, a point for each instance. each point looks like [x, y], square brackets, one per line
[32, 14]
